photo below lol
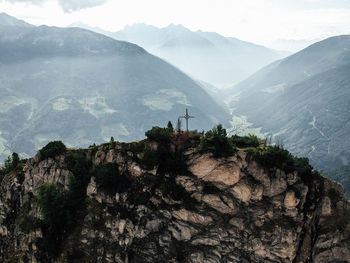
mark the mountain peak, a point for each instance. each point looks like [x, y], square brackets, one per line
[172, 25]
[203, 55]
[7, 20]
[178, 27]
[139, 26]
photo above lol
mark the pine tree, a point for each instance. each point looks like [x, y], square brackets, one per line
[170, 126]
[15, 160]
[178, 125]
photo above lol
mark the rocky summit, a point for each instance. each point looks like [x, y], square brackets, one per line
[170, 201]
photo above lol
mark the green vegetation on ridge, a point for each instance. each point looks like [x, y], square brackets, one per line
[12, 163]
[52, 149]
[163, 150]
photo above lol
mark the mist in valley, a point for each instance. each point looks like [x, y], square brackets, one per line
[85, 85]
[174, 131]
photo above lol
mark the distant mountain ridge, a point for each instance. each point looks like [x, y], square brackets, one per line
[292, 45]
[44, 41]
[6, 20]
[304, 100]
[207, 56]
[82, 87]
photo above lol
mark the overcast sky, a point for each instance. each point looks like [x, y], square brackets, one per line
[259, 21]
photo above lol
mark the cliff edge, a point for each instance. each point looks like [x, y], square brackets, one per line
[169, 201]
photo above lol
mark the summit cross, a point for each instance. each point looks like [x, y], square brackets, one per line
[186, 117]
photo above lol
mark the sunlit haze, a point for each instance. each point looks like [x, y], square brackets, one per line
[259, 21]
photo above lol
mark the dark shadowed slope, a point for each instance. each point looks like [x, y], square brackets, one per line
[304, 100]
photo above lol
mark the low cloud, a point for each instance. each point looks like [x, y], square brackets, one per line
[36, 2]
[68, 6]
[75, 5]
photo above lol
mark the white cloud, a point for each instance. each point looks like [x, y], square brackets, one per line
[25, 1]
[74, 5]
[260, 21]
[66, 5]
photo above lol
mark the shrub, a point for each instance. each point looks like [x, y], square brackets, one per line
[245, 141]
[161, 135]
[216, 141]
[170, 126]
[181, 140]
[79, 177]
[79, 165]
[274, 156]
[60, 209]
[334, 195]
[302, 166]
[112, 143]
[174, 163]
[195, 138]
[134, 147]
[108, 178]
[169, 187]
[15, 160]
[50, 200]
[150, 157]
[8, 165]
[52, 149]
[24, 220]
[56, 218]
[13, 163]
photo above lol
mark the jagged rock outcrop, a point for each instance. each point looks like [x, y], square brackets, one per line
[216, 210]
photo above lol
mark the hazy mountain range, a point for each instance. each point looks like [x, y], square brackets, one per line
[304, 101]
[83, 87]
[206, 56]
[292, 45]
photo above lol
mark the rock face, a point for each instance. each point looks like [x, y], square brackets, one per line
[220, 210]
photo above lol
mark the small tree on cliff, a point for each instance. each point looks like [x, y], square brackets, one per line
[178, 125]
[216, 141]
[170, 126]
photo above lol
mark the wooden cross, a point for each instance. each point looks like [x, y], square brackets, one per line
[186, 117]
